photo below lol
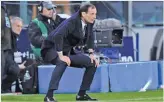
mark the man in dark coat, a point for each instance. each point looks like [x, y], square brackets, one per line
[58, 48]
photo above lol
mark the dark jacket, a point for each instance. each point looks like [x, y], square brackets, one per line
[14, 39]
[66, 36]
[6, 37]
[34, 32]
[57, 21]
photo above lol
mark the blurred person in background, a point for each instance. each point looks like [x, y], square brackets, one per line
[9, 68]
[16, 24]
[41, 26]
[57, 49]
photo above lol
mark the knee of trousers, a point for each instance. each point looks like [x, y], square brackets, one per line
[60, 62]
[90, 65]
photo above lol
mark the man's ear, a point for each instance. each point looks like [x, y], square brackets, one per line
[83, 14]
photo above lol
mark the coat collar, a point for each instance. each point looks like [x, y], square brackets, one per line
[43, 18]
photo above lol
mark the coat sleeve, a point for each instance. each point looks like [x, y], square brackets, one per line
[35, 35]
[62, 31]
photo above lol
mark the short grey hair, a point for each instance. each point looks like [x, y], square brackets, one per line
[14, 18]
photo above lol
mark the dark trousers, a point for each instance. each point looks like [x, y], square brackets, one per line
[10, 70]
[79, 60]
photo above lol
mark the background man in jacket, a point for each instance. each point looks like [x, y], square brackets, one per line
[46, 10]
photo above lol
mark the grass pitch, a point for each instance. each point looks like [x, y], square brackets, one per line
[148, 96]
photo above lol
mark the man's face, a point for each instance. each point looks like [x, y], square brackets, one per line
[17, 26]
[47, 12]
[54, 14]
[90, 16]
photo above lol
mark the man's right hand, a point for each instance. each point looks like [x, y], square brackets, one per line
[22, 66]
[65, 59]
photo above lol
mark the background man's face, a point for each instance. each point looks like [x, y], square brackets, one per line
[54, 14]
[90, 16]
[47, 12]
[17, 26]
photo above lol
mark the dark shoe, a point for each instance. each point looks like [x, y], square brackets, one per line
[49, 99]
[85, 98]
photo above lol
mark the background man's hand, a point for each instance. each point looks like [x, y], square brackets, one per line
[22, 66]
